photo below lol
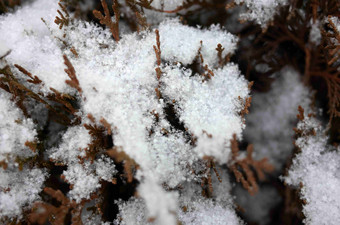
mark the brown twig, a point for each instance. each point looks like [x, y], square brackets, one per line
[157, 49]
[33, 80]
[73, 82]
[106, 20]
[120, 156]
[56, 215]
[62, 20]
[247, 178]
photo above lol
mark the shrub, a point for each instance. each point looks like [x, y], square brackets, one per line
[136, 111]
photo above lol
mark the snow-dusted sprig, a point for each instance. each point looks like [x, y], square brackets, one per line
[64, 18]
[248, 179]
[164, 152]
[106, 20]
[165, 140]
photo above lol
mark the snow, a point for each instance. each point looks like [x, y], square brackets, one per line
[23, 189]
[203, 105]
[167, 4]
[194, 209]
[206, 211]
[27, 37]
[68, 151]
[218, 209]
[261, 11]
[315, 33]
[15, 130]
[273, 117]
[168, 124]
[126, 96]
[161, 205]
[118, 82]
[257, 208]
[84, 177]
[316, 171]
[18, 189]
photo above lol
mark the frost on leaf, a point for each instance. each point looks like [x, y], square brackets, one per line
[315, 171]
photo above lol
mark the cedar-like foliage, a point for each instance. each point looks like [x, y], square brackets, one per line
[246, 176]
[106, 18]
[63, 20]
[73, 82]
[285, 40]
[290, 30]
[43, 212]
[101, 138]
[21, 94]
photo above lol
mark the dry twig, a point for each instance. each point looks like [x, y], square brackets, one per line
[247, 177]
[41, 211]
[63, 20]
[73, 82]
[106, 18]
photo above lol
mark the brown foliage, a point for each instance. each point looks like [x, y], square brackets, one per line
[101, 138]
[31, 145]
[301, 117]
[205, 71]
[73, 82]
[120, 156]
[332, 74]
[74, 52]
[286, 42]
[247, 176]
[159, 61]
[33, 80]
[106, 18]
[63, 20]
[22, 94]
[19, 91]
[64, 100]
[246, 105]
[134, 16]
[41, 211]
[206, 183]
[3, 164]
[158, 48]
[222, 61]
